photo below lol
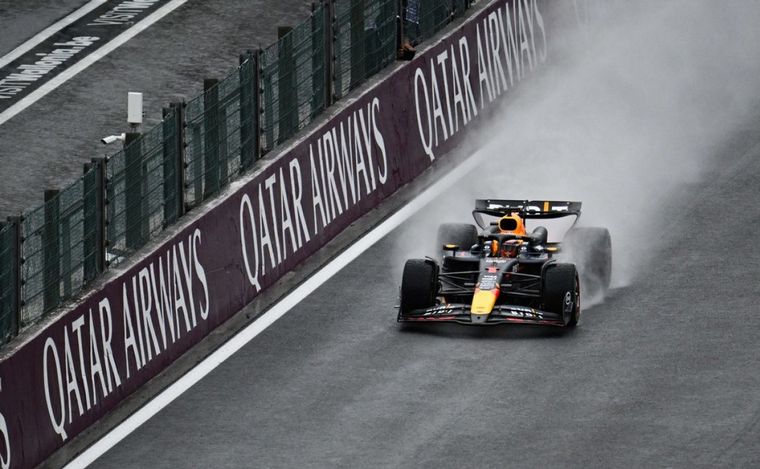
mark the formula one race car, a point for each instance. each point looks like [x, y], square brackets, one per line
[502, 273]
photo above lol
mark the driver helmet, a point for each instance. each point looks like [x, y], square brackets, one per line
[512, 224]
[510, 248]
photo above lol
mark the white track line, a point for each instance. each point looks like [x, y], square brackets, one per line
[98, 54]
[267, 319]
[49, 31]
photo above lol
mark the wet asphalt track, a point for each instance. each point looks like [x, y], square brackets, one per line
[21, 20]
[663, 373]
[46, 145]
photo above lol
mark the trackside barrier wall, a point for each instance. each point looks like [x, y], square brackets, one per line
[86, 361]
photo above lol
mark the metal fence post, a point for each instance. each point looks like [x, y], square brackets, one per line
[357, 43]
[90, 223]
[196, 130]
[51, 252]
[211, 134]
[248, 95]
[317, 64]
[10, 294]
[173, 162]
[102, 175]
[400, 27]
[7, 286]
[459, 7]
[180, 109]
[266, 98]
[256, 104]
[95, 219]
[136, 227]
[64, 251]
[18, 261]
[329, 59]
[286, 84]
[223, 156]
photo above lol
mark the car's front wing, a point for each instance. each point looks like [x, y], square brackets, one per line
[501, 314]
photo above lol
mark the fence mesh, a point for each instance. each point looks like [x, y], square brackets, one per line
[424, 18]
[142, 190]
[292, 73]
[56, 244]
[266, 100]
[365, 41]
[220, 134]
[8, 301]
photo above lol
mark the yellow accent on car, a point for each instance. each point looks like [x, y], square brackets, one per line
[483, 301]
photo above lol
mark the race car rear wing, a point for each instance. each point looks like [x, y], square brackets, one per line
[527, 208]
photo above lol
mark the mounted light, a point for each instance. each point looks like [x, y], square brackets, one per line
[113, 139]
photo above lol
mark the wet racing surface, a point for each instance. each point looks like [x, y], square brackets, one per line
[660, 374]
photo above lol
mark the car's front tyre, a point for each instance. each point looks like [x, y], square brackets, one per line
[561, 292]
[419, 285]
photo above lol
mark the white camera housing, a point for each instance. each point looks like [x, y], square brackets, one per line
[112, 139]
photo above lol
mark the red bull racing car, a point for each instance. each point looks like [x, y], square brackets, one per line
[501, 273]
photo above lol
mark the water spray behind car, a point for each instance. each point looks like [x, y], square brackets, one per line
[626, 123]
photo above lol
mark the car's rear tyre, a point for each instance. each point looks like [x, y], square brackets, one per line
[419, 285]
[590, 248]
[561, 292]
[463, 235]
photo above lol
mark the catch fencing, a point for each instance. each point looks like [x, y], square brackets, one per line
[50, 254]
[424, 18]
[293, 81]
[365, 41]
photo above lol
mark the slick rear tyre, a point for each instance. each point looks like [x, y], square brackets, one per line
[590, 249]
[419, 285]
[561, 292]
[463, 235]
